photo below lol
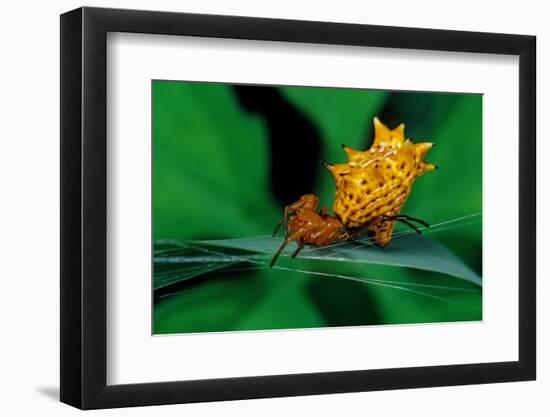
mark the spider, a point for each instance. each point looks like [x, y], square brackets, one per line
[371, 189]
[306, 225]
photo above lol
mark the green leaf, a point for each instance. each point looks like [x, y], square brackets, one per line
[205, 149]
[235, 300]
[407, 250]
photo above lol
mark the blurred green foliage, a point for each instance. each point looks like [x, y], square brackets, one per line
[211, 181]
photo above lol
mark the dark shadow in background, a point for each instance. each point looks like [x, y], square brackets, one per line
[295, 143]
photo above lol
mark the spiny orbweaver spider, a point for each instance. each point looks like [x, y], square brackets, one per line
[371, 189]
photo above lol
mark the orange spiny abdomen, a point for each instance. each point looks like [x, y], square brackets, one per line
[374, 184]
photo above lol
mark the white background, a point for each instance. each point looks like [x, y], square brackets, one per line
[29, 220]
[134, 356]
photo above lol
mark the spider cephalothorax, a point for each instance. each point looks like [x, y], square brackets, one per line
[304, 224]
[371, 189]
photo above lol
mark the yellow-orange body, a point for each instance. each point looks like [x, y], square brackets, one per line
[374, 184]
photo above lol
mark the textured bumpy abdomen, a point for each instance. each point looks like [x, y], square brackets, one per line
[375, 183]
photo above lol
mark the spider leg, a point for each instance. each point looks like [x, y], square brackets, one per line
[413, 219]
[286, 242]
[405, 220]
[276, 230]
[411, 225]
[358, 232]
[298, 249]
[289, 211]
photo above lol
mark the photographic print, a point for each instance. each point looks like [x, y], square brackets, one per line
[292, 207]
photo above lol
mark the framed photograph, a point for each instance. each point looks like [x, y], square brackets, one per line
[258, 208]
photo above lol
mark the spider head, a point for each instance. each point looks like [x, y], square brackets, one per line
[308, 202]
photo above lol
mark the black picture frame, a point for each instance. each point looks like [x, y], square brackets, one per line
[84, 207]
